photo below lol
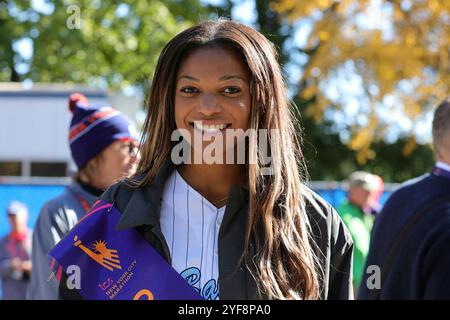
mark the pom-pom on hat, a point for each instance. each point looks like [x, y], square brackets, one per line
[92, 129]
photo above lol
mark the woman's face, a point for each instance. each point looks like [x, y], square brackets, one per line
[212, 93]
[117, 161]
[18, 222]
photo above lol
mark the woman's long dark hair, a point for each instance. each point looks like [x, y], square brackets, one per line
[285, 265]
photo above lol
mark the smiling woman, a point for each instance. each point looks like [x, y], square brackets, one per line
[232, 231]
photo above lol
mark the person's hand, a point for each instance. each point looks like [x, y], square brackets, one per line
[16, 264]
[26, 265]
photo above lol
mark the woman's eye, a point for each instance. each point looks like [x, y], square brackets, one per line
[188, 90]
[232, 90]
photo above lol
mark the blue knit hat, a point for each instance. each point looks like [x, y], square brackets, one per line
[92, 129]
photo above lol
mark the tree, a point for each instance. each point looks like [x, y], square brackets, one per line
[11, 30]
[117, 45]
[328, 158]
[397, 63]
[111, 44]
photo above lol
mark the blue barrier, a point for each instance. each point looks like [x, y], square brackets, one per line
[34, 196]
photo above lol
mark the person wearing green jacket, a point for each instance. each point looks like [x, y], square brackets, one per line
[358, 222]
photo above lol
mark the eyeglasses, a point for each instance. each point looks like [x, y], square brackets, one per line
[133, 148]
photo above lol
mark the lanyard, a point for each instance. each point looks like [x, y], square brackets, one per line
[84, 203]
[16, 248]
[441, 172]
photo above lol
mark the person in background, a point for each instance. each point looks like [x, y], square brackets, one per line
[411, 235]
[374, 202]
[353, 212]
[15, 252]
[103, 144]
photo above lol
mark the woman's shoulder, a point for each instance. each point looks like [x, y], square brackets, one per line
[315, 204]
[324, 219]
[121, 192]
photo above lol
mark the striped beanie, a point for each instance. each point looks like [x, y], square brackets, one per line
[92, 129]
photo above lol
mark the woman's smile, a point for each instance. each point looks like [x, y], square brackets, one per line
[210, 128]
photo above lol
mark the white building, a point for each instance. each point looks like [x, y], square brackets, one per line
[34, 124]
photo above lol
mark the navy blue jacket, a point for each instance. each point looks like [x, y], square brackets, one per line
[421, 267]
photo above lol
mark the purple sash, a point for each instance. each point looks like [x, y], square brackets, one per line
[118, 265]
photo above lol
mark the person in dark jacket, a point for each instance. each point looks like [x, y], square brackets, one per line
[230, 212]
[103, 144]
[409, 256]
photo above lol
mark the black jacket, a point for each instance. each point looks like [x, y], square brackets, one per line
[140, 209]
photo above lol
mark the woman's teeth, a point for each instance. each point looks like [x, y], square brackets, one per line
[209, 128]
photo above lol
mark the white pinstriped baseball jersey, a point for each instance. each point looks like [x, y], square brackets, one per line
[191, 224]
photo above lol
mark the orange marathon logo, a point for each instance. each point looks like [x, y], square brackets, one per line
[107, 258]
